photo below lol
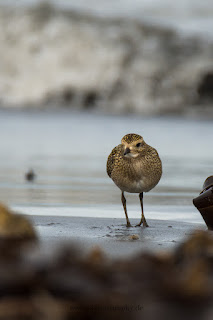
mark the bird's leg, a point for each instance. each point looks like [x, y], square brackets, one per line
[143, 220]
[123, 199]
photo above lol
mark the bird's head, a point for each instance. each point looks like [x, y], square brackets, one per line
[132, 145]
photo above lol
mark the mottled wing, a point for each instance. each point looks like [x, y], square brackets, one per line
[111, 160]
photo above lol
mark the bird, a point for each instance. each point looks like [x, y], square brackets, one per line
[134, 167]
[30, 175]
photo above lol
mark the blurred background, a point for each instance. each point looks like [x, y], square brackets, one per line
[75, 76]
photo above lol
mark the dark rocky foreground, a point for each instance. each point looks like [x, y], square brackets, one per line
[67, 284]
[50, 57]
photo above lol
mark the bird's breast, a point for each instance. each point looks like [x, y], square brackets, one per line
[136, 177]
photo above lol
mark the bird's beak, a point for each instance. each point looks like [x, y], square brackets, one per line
[126, 151]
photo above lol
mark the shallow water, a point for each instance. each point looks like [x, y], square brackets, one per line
[68, 152]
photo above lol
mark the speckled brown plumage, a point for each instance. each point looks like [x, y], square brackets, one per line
[131, 137]
[134, 166]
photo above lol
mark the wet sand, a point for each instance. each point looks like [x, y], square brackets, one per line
[112, 235]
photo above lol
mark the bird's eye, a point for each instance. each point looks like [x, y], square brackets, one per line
[138, 145]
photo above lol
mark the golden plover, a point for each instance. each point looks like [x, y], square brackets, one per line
[135, 167]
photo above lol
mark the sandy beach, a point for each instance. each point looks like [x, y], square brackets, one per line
[112, 235]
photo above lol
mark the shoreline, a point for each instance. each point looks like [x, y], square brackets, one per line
[111, 234]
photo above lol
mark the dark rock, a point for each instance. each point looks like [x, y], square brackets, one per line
[205, 87]
[67, 95]
[204, 202]
[89, 99]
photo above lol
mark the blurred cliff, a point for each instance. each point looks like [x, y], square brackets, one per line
[55, 57]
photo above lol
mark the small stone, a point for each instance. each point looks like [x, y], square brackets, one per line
[134, 237]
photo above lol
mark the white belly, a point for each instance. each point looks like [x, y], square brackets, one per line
[139, 186]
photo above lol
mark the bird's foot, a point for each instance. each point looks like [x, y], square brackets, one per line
[128, 224]
[138, 225]
[145, 224]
